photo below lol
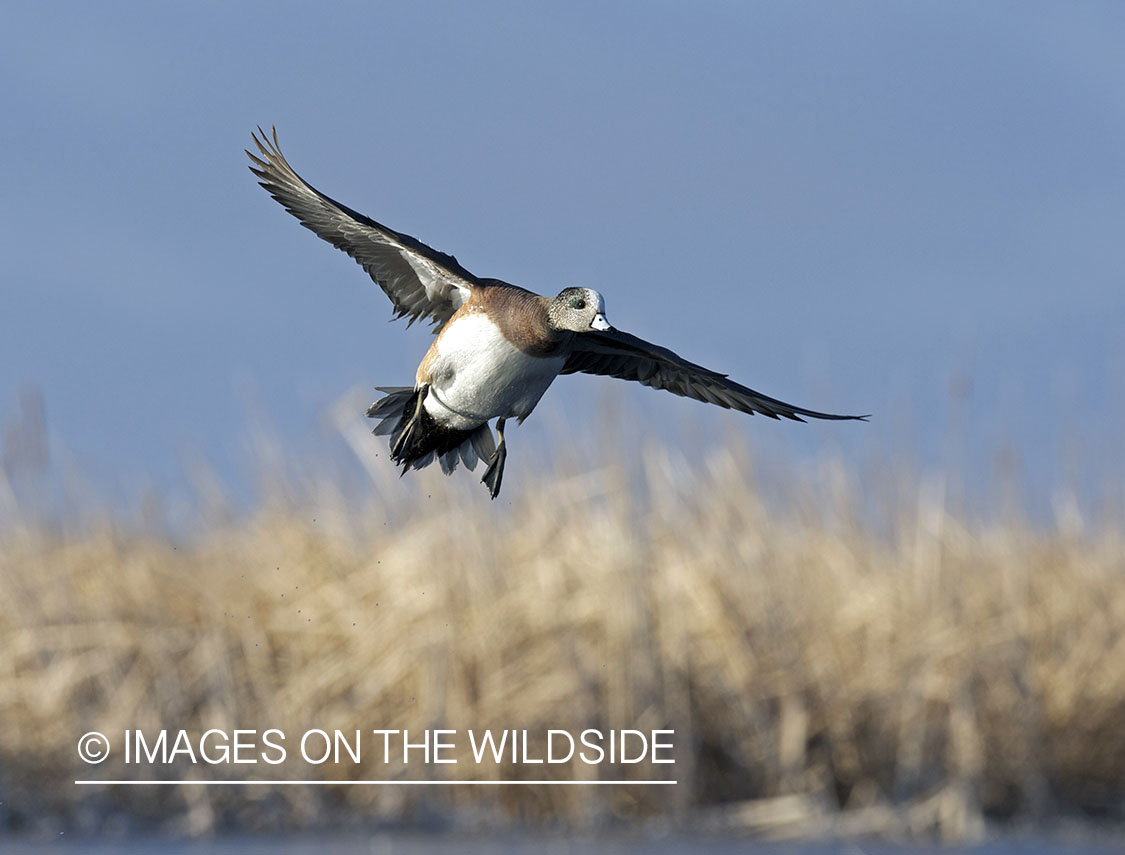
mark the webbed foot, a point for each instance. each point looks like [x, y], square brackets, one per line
[495, 471]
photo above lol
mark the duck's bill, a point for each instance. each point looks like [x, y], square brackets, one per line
[600, 323]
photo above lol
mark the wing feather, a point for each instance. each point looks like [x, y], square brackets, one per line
[614, 353]
[422, 282]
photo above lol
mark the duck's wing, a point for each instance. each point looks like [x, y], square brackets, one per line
[618, 354]
[421, 282]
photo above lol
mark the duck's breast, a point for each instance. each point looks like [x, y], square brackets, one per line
[476, 374]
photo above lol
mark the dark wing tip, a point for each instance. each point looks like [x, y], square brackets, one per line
[833, 417]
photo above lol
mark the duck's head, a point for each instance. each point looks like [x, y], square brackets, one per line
[578, 310]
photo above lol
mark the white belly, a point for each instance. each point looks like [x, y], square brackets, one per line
[478, 375]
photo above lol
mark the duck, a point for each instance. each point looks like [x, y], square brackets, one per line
[497, 346]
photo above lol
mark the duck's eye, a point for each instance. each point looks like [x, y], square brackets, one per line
[577, 303]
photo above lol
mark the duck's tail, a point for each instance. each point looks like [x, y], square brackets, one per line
[417, 438]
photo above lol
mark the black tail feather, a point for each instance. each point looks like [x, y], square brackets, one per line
[417, 438]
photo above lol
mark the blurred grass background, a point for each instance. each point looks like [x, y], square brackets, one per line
[851, 655]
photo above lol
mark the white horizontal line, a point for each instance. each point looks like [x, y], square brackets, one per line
[366, 783]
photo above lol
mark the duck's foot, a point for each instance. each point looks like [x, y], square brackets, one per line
[495, 471]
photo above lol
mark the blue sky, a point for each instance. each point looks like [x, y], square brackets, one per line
[849, 206]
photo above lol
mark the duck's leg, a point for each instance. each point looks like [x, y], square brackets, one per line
[495, 471]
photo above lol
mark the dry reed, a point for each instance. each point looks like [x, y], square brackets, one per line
[820, 678]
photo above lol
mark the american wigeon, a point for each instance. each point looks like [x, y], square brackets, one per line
[498, 346]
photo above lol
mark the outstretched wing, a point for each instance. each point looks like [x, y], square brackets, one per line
[421, 282]
[618, 354]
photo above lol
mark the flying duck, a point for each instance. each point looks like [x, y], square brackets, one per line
[497, 347]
